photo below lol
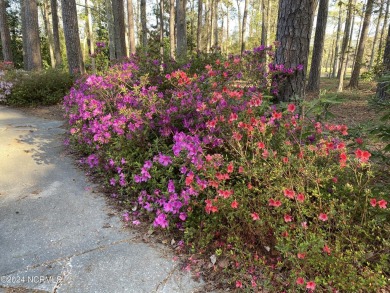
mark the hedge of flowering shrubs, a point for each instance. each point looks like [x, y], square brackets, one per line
[278, 201]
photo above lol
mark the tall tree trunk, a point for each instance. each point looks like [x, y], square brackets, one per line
[295, 19]
[215, 24]
[144, 33]
[172, 28]
[24, 31]
[111, 30]
[350, 39]
[199, 29]
[118, 10]
[46, 21]
[354, 82]
[358, 36]
[264, 22]
[31, 37]
[56, 34]
[181, 30]
[376, 35]
[382, 91]
[244, 20]
[162, 30]
[336, 49]
[227, 31]
[383, 31]
[130, 19]
[316, 61]
[90, 36]
[5, 34]
[331, 59]
[72, 37]
[207, 22]
[239, 24]
[343, 53]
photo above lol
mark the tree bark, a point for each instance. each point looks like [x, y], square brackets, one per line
[336, 50]
[172, 28]
[244, 20]
[144, 33]
[72, 39]
[344, 46]
[239, 24]
[382, 91]
[181, 30]
[130, 19]
[119, 28]
[315, 69]
[294, 27]
[376, 35]
[199, 29]
[264, 22]
[111, 30]
[56, 34]
[90, 37]
[46, 21]
[383, 31]
[354, 82]
[215, 24]
[5, 34]
[31, 37]
[162, 30]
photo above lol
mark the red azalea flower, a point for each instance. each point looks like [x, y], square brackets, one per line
[326, 249]
[238, 284]
[300, 197]
[301, 255]
[291, 108]
[287, 218]
[260, 145]
[373, 202]
[300, 281]
[230, 168]
[359, 140]
[289, 193]
[285, 160]
[255, 216]
[310, 285]
[382, 204]
[323, 217]
[234, 204]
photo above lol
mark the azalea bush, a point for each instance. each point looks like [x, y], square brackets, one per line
[275, 199]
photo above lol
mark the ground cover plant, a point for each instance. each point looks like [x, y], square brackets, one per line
[273, 198]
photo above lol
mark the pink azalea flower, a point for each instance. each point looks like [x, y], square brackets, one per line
[291, 108]
[323, 217]
[238, 284]
[234, 204]
[287, 218]
[310, 285]
[300, 281]
[373, 202]
[300, 197]
[255, 216]
[289, 193]
[382, 204]
[326, 249]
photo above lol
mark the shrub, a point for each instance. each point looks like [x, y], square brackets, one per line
[39, 88]
[276, 200]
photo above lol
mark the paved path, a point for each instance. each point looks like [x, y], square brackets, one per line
[56, 234]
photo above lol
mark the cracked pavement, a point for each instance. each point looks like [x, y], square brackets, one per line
[56, 233]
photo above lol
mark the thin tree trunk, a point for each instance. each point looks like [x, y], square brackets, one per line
[207, 22]
[382, 91]
[336, 50]
[358, 37]
[350, 40]
[295, 21]
[264, 22]
[130, 19]
[239, 24]
[354, 82]
[24, 31]
[31, 37]
[199, 28]
[90, 37]
[319, 38]
[56, 34]
[331, 59]
[215, 24]
[144, 33]
[162, 30]
[344, 47]
[172, 28]
[118, 10]
[181, 30]
[227, 31]
[376, 35]
[383, 31]
[244, 21]
[72, 37]
[46, 21]
[111, 30]
[5, 34]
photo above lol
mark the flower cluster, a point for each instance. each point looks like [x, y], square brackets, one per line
[206, 153]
